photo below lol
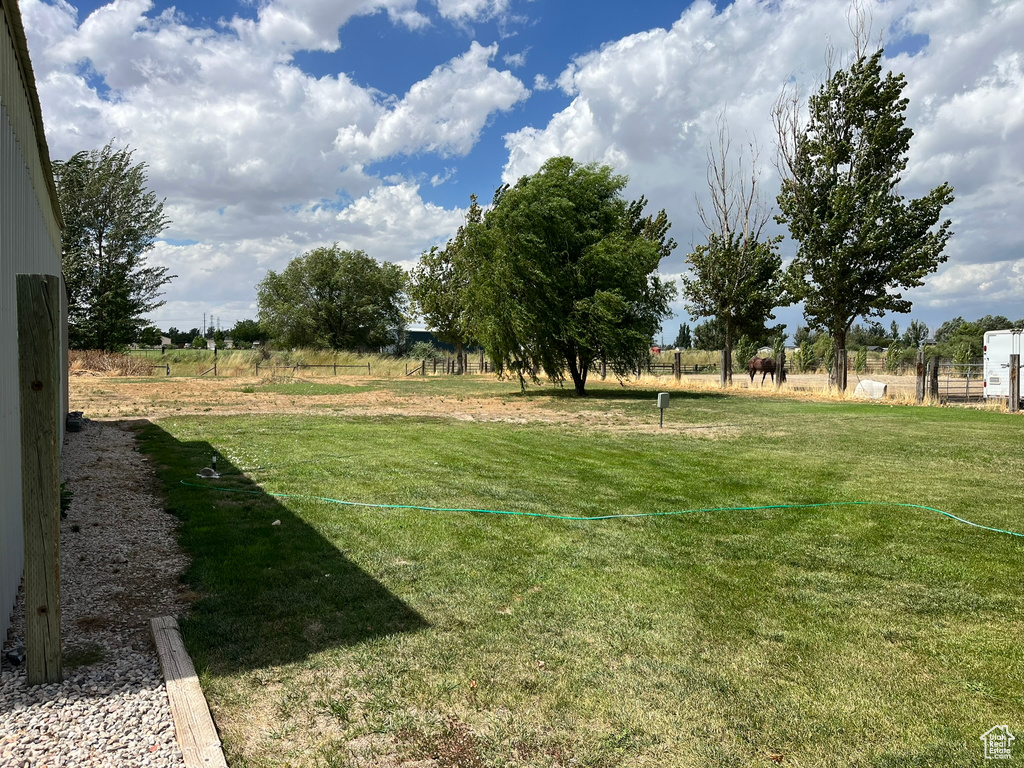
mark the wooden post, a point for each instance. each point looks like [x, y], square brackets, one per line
[677, 365]
[1014, 401]
[934, 379]
[423, 368]
[723, 375]
[780, 368]
[367, 369]
[920, 377]
[604, 370]
[39, 388]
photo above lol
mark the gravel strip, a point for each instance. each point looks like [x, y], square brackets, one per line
[119, 568]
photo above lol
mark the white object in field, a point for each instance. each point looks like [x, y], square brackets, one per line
[874, 390]
[663, 399]
[999, 345]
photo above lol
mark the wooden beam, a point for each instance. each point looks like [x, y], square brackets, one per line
[193, 726]
[1013, 402]
[39, 391]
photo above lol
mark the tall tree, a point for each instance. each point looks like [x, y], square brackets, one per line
[736, 277]
[439, 285]
[566, 274]
[684, 339]
[111, 221]
[334, 299]
[861, 242]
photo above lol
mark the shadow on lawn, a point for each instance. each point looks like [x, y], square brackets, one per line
[267, 594]
[609, 392]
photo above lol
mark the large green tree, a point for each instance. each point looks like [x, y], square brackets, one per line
[334, 299]
[736, 276]
[565, 274]
[111, 221]
[861, 242]
[439, 285]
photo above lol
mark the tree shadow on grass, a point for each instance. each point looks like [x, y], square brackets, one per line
[608, 393]
[267, 593]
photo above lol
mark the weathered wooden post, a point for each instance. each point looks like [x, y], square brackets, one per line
[1014, 400]
[934, 379]
[677, 365]
[780, 368]
[724, 364]
[920, 377]
[39, 386]
[423, 368]
[604, 370]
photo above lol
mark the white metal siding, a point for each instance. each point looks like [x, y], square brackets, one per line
[29, 242]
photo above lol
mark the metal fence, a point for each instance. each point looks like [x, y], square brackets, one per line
[961, 382]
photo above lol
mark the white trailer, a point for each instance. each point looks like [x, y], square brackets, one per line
[999, 345]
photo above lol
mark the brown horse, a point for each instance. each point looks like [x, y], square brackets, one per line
[762, 365]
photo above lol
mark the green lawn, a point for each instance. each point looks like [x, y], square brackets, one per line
[835, 636]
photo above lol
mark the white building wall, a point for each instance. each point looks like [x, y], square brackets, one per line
[29, 242]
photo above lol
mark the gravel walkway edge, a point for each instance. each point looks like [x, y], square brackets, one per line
[120, 567]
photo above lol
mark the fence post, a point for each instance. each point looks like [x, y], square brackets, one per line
[604, 369]
[920, 377]
[367, 369]
[780, 369]
[215, 365]
[168, 369]
[934, 379]
[335, 367]
[723, 364]
[1014, 401]
[423, 368]
[677, 365]
[38, 307]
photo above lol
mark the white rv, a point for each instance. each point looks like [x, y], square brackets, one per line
[999, 345]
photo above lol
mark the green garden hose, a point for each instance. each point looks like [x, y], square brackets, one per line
[601, 517]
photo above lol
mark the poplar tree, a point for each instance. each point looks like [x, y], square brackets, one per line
[861, 243]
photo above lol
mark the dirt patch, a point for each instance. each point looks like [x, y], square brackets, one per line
[119, 398]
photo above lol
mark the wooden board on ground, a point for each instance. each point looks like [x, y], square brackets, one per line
[197, 736]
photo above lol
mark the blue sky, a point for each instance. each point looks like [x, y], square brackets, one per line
[275, 126]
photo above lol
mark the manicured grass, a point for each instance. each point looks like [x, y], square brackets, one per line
[836, 636]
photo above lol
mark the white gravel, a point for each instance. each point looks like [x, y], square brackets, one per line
[119, 568]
